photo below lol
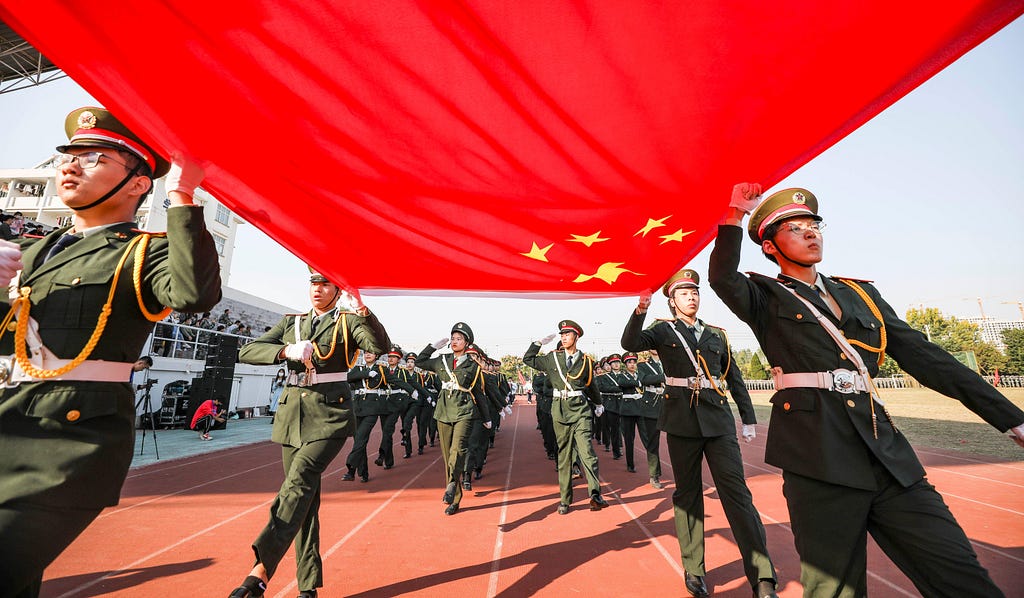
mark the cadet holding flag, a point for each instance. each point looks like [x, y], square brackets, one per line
[84, 303]
[313, 420]
[698, 424]
[571, 373]
[847, 470]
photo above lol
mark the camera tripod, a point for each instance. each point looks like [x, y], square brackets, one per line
[147, 407]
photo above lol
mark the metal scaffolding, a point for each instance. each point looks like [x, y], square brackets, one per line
[21, 65]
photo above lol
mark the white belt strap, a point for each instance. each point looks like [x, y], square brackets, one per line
[90, 370]
[655, 389]
[564, 394]
[843, 381]
[632, 396]
[311, 377]
[691, 382]
[689, 353]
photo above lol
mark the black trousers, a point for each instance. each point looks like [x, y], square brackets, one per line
[477, 447]
[650, 438]
[547, 432]
[423, 428]
[388, 423]
[357, 459]
[204, 424]
[613, 433]
[912, 526]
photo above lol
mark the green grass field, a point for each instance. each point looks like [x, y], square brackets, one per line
[930, 419]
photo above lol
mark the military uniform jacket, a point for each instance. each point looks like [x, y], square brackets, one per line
[320, 411]
[568, 409]
[432, 385]
[89, 426]
[652, 377]
[611, 394]
[631, 385]
[545, 393]
[404, 382]
[492, 388]
[369, 392]
[710, 414]
[453, 404]
[832, 427]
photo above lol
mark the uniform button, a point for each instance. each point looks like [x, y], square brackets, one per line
[872, 324]
[12, 326]
[842, 356]
[304, 394]
[850, 403]
[842, 332]
[76, 280]
[786, 406]
[73, 415]
[799, 316]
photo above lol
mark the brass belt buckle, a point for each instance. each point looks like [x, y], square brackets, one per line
[6, 371]
[843, 381]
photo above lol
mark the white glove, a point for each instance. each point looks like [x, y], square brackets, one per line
[745, 197]
[748, 432]
[353, 300]
[507, 410]
[373, 373]
[488, 425]
[547, 339]
[439, 343]
[10, 261]
[502, 414]
[599, 410]
[300, 351]
[184, 175]
[415, 394]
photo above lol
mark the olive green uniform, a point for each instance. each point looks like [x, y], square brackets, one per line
[701, 425]
[311, 425]
[864, 476]
[65, 446]
[574, 390]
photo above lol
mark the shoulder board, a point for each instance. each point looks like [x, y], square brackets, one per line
[840, 278]
[346, 312]
[706, 325]
[293, 315]
[663, 320]
[146, 232]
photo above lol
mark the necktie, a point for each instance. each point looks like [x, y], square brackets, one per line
[829, 301]
[568, 361]
[66, 240]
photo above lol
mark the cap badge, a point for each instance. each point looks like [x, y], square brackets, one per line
[86, 120]
[799, 197]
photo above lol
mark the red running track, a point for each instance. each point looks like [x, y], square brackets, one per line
[184, 528]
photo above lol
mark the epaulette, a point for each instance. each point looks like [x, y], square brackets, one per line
[841, 278]
[663, 320]
[146, 232]
[292, 315]
[706, 325]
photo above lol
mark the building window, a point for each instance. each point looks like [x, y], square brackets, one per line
[219, 241]
[223, 214]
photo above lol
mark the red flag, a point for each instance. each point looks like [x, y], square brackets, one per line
[995, 379]
[522, 381]
[549, 147]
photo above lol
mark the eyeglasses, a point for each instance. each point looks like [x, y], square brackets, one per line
[86, 161]
[800, 229]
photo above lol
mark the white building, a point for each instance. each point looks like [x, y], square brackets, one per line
[992, 330]
[33, 192]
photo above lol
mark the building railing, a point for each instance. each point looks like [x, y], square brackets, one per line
[185, 342]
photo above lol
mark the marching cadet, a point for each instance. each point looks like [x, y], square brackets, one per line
[653, 379]
[698, 424]
[846, 468]
[545, 395]
[66, 406]
[477, 443]
[461, 402]
[313, 420]
[369, 402]
[404, 400]
[571, 373]
[425, 425]
[629, 409]
[611, 396]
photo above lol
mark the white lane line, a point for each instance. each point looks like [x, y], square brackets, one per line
[116, 511]
[492, 583]
[285, 591]
[1016, 466]
[167, 548]
[978, 502]
[188, 462]
[975, 477]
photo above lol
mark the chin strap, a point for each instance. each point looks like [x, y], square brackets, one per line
[779, 249]
[131, 174]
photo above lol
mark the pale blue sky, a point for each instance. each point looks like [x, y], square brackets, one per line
[927, 200]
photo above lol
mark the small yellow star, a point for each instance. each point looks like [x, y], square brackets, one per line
[676, 236]
[588, 241]
[608, 272]
[536, 253]
[651, 225]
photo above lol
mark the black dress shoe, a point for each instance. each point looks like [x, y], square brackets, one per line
[477, 474]
[407, 455]
[389, 466]
[765, 589]
[657, 483]
[449, 494]
[349, 475]
[420, 451]
[307, 594]
[563, 509]
[467, 486]
[695, 586]
[378, 461]
[597, 502]
[576, 472]
[364, 478]
[451, 510]
[630, 469]
[252, 587]
[616, 457]
[551, 456]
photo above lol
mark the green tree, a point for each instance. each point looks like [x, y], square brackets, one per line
[1014, 341]
[889, 368]
[947, 332]
[757, 368]
[989, 358]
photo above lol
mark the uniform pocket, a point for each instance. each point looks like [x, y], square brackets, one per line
[73, 407]
[74, 298]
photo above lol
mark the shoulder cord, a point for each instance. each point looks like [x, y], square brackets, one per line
[588, 365]
[701, 372]
[877, 313]
[844, 344]
[22, 305]
[455, 381]
[339, 322]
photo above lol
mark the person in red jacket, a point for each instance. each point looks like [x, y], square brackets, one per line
[207, 413]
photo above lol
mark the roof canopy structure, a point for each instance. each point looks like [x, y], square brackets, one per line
[546, 148]
[21, 65]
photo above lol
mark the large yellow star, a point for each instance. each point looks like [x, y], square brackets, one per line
[588, 241]
[676, 236]
[536, 253]
[651, 225]
[608, 272]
